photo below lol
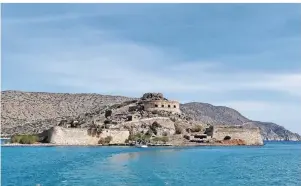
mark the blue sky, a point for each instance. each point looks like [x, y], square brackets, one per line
[244, 56]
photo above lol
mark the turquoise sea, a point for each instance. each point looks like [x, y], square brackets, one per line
[275, 164]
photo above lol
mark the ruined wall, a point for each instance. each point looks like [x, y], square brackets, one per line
[166, 125]
[172, 106]
[76, 136]
[250, 135]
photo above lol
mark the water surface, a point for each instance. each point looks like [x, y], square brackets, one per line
[273, 164]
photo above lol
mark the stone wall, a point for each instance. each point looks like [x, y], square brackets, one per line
[166, 125]
[251, 136]
[77, 136]
[172, 106]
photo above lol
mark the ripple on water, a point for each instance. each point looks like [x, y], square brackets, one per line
[273, 164]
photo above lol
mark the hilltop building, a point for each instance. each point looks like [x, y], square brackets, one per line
[156, 101]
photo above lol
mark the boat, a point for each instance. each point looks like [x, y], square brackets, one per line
[141, 146]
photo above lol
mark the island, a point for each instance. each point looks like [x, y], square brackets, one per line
[152, 119]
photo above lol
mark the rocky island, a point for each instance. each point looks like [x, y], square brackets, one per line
[151, 119]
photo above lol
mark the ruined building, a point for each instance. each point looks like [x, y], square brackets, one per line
[156, 101]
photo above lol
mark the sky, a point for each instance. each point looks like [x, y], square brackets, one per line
[243, 56]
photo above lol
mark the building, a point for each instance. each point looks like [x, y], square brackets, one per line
[166, 105]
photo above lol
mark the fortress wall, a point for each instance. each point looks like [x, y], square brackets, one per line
[172, 106]
[250, 135]
[75, 136]
[119, 136]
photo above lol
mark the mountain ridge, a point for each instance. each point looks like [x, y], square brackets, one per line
[20, 110]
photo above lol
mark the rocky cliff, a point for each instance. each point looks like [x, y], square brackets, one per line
[31, 112]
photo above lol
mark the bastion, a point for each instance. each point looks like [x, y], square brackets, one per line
[78, 136]
[251, 136]
[166, 105]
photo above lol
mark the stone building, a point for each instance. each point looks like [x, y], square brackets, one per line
[156, 101]
[133, 117]
[172, 106]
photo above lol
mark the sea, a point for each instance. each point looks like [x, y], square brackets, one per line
[275, 164]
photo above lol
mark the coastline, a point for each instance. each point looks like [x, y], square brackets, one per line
[117, 145]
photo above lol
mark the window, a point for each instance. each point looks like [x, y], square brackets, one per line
[168, 106]
[174, 106]
[156, 105]
[162, 105]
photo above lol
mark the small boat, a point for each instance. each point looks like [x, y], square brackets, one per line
[141, 146]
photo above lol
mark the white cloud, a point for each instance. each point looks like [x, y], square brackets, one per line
[95, 60]
[288, 83]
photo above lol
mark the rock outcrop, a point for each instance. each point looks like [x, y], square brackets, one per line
[152, 96]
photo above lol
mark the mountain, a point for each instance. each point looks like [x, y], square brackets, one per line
[28, 112]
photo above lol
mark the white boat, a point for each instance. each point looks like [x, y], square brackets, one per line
[141, 146]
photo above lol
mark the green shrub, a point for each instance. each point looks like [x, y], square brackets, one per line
[154, 127]
[161, 139]
[146, 137]
[149, 132]
[24, 139]
[179, 130]
[139, 136]
[164, 134]
[164, 139]
[108, 139]
[101, 141]
[105, 141]
[135, 137]
[16, 138]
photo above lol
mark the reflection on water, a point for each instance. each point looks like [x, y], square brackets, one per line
[123, 164]
[125, 157]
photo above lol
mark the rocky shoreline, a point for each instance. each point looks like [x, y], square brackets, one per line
[223, 143]
[119, 145]
[88, 145]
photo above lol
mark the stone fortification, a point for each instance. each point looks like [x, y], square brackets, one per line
[152, 117]
[78, 136]
[251, 136]
[157, 102]
[158, 105]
